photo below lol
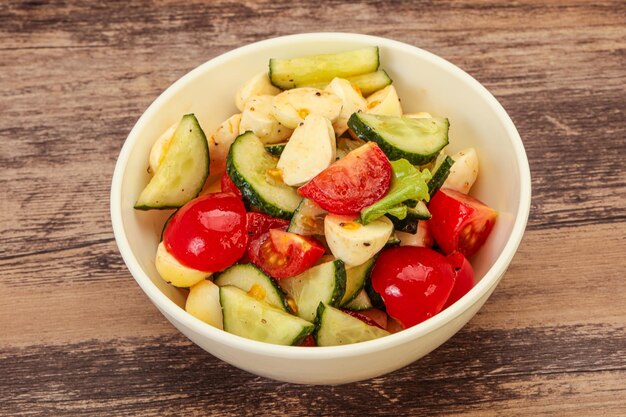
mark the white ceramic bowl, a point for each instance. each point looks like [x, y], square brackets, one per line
[425, 82]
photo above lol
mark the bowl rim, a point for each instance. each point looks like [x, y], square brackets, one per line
[172, 311]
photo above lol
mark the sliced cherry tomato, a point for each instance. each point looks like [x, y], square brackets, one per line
[308, 341]
[414, 282]
[371, 316]
[259, 223]
[352, 183]
[460, 222]
[464, 277]
[208, 233]
[393, 325]
[283, 254]
[228, 186]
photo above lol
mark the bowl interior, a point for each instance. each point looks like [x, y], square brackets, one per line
[424, 83]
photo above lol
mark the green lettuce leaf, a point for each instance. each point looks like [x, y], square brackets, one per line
[407, 183]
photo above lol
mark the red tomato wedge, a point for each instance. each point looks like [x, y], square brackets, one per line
[414, 282]
[259, 223]
[208, 233]
[464, 277]
[460, 222]
[308, 341]
[393, 325]
[352, 183]
[283, 254]
[371, 316]
[228, 186]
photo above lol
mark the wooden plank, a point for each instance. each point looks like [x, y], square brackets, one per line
[472, 372]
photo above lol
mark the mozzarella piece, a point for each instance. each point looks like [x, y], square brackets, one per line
[160, 147]
[384, 102]
[353, 242]
[418, 115]
[259, 85]
[464, 171]
[352, 99]
[310, 150]
[174, 272]
[203, 302]
[258, 117]
[423, 236]
[220, 141]
[293, 106]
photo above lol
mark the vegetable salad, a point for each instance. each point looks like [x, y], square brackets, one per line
[320, 213]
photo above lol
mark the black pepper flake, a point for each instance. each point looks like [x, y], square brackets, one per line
[367, 244]
[318, 94]
[342, 224]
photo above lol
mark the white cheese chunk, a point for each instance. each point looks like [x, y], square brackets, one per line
[385, 102]
[293, 106]
[418, 115]
[259, 85]
[174, 272]
[464, 171]
[258, 117]
[160, 147]
[352, 99]
[203, 302]
[353, 242]
[310, 150]
[422, 237]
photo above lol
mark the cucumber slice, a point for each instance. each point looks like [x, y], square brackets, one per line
[393, 240]
[247, 165]
[275, 149]
[308, 219]
[372, 82]
[367, 83]
[334, 327]
[322, 283]
[413, 215]
[441, 174]
[182, 173]
[165, 225]
[416, 140]
[375, 298]
[315, 69]
[246, 277]
[248, 317]
[355, 280]
[360, 302]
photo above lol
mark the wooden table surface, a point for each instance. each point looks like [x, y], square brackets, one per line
[78, 336]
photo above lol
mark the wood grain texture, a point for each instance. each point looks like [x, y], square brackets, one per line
[79, 337]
